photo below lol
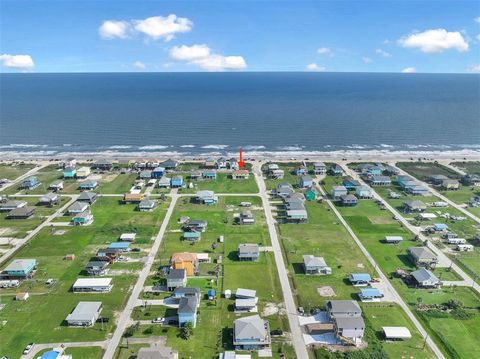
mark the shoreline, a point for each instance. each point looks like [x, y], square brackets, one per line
[339, 155]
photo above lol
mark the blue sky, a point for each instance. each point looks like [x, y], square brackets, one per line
[357, 36]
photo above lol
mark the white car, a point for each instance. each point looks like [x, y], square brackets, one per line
[158, 320]
[28, 348]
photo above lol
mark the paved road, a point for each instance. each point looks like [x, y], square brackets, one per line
[124, 319]
[297, 338]
[443, 258]
[44, 224]
[392, 292]
[25, 175]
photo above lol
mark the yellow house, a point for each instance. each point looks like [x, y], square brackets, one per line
[185, 260]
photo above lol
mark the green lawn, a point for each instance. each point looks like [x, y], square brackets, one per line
[223, 184]
[90, 353]
[15, 170]
[422, 170]
[40, 319]
[469, 167]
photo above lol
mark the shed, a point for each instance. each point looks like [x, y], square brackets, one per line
[395, 333]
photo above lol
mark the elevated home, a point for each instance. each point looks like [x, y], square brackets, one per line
[185, 260]
[21, 213]
[209, 175]
[221, 163]
[176, 182]
[69, 162]
[182, 292]
[120, 246]
[128, 237]
[417, 190]
[133, 197]
[19, 269]
[251, 333]
[414, 206]
[88, 185]
[349, 330]
[450, 184]
[157, 352]
[207, 197]
[276, 174]
[336, 170]
[403, 179]
[305, 182]
[390, 170]
[319, 168]
[380, 181]
[232, 164]
[78, 207]
[456, 240]
[195, 225]
[338, 192]
[195, 175]
[350, 184]
[92, 285]
[440, 227]
[108, 254]
[349, 200]
[192, 236]
[158, 172]
[82, 218]
[437, 179]
[246, 217]
[30, 183]
[370, 294]
[96, 268]
[87, 197]
[284, 190]
[246, 305]
[147, 205]
[176, 278]
[470, 180]
[243, 293]
[363, 192]
[393, 239]
[145, 175]
[422, 257]
[360, 279]
[211, 163]
[10, 205]
[85, 314]
[343, 309]
[425, 278]
[49, 199]
[83, 172]
[164, 182]
[248, 252]
[103, 165]
[240, 174]
[297, 216]
[169, 164]
[69, 172]
[56, 185]
[300, 171]
[315, 265]
[187, 311]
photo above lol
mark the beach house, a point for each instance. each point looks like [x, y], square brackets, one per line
[85, 314]
[209, 175]
[92, 285]
[83, 172]
[56, 185]
[380, 181]
[248, 252]
[185, 260]
[9, 205]
[96, 268]
[349, 200]
[336, 170]
[300, 171]
[319, 168]
[187, 311]
[158, 172]
[349, 331]
[30, 183]
[69, 172]
[87, 197]
[49, 199]
[450, 184]
[88, 185]
[425, 278]
[240, 174]
[305, 182]
[360, 279]
[414, 206]
[176, 278]
[169, 164]
[20, 269]
[363, 192]
[251, 333]
[176, 182]
[82, 218]
[315, 265]
[338, 192]
[78, 207]
[422, 257]
[343, 309]
[206, 197]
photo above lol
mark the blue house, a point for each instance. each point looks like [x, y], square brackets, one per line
[209, 174]
[158, 172]
[305, 182]
[69, 172]
[176, 182]
[360, 279]
[336, 170]
[403, 180]
[88, 185]
[370, 294]
[121, 246]
[375, 171]
[20, 268]
[300, 171]
[30, 183]
[350, 184]
[187, 311]
[440, 227]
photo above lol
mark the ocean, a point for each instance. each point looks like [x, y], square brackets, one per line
[204, 113]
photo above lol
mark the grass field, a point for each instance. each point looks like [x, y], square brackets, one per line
[90, 353]
[12, 171]
[213, 333]
[469, 167]
[223, 184]
[40, 319]
[393, 257]
[422, 170]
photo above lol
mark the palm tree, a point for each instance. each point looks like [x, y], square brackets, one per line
[187, 331]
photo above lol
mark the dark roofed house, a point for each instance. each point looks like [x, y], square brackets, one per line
[343, 309]
[425, 278]
[21, 213]
[414, 206]
[349, 200]
[187, 310]
[169, 164]
[437, 179]
[176, 278]
[30, 183]
[87, 196]
[422, 257]
[49, 199]
[349, 330]
[103, 164]
[96, 267]
[9, 205]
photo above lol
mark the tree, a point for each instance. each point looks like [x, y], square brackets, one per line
[187, 331]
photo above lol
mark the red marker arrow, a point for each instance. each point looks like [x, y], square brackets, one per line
[240, 160]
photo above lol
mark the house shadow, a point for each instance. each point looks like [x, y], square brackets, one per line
[405, 259]
[227, 338]
[298, 268]
[233, 256]
[231, 307]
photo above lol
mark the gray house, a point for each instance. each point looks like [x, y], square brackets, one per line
[349, 330]
[87, 197]
[414, 206]
[85, 314]
[251, 333]
[349, 200]
[248, 252]
[315, 265]
[425, 278]
[422, 257]
[338, 192]
[176, 278]
[49, 199]
[343, 309]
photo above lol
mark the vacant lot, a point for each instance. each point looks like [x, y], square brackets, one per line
[14, 170]
[469, 167]
[422, 170]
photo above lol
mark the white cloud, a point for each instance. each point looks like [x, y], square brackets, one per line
[325, 51]
[158, 27]
[21, 62]
[474, 68]
[435, 41]
[409, 70]
[367, 60]
[189, 53]
[111, 29]
[139, 65]
[383, 53]
[478, 37]
[203, 57]
[315, 67]
[477, 19]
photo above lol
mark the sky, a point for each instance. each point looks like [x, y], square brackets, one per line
[336, 36]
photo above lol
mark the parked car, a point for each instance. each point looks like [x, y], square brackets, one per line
[158, 320]
[28, 348]
[49, 281]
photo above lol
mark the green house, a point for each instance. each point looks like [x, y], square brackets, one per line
[310, 195]
[192, 236]
[69, 172]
